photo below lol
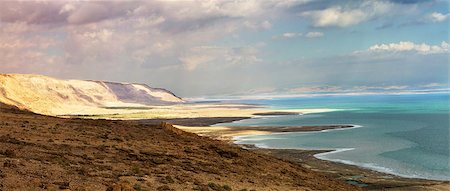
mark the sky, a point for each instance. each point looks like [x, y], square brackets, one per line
[254, 47]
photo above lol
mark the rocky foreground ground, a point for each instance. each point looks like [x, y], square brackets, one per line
[47, 153]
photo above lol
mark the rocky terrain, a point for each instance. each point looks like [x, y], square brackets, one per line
[47, 153]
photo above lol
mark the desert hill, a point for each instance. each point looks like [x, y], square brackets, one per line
[46, 95]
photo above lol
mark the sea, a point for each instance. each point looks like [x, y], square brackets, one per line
[405, 135]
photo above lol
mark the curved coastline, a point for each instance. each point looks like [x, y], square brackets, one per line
[353, 173]
[372, 166]
[236, 139]
[239, 140]
[350, 172]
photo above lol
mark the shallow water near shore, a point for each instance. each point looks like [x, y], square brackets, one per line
[406, 135]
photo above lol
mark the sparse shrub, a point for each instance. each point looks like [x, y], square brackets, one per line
[136, 170]
[9, 164]
[211, 184]
[64, 185]
[201, 188]
[226, 187]
[137, 187]
[9, 153]
[164, 188]
[217, 187]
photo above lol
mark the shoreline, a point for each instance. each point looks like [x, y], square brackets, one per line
[229, 134]
[199, 119]
[43, 152]
[351, 173]
[363, 177]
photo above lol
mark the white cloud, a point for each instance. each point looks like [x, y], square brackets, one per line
[438, 17]
[102, 35]
[243, 55]
[407, 46]
[335, 16]
[193, 61]
[290, 35]
[314, 34]
[287, 35]
[264, 25]
[203, 55]
[67, 8]
[344, 17]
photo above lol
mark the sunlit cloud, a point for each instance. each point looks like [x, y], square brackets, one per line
[340, 16]
[407, 46]
[314, 34]
[438, 17]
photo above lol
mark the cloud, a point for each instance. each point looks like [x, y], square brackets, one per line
[26, 54]
[335, 17]
[407, 46]
[58, 13]
[410, 1]
[314, 89]
[203, 47]
[193, 61]
[314, 34]
[102, 35]
[309, 89]
[127, 34]
[204, 55]
[264, 25]
[287, 35]
[94, 12]
[360, 90]
[85, 12]
[290, 35]
[438, 17]
[339, 16]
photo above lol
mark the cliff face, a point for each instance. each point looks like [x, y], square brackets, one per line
[52, 96]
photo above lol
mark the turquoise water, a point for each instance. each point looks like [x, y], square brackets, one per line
[406, 135]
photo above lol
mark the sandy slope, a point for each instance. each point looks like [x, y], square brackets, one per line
[52, 96]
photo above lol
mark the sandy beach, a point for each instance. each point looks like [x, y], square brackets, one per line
[229, 133]
[195, 110]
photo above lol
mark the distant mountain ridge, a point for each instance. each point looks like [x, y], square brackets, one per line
[47, 95]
